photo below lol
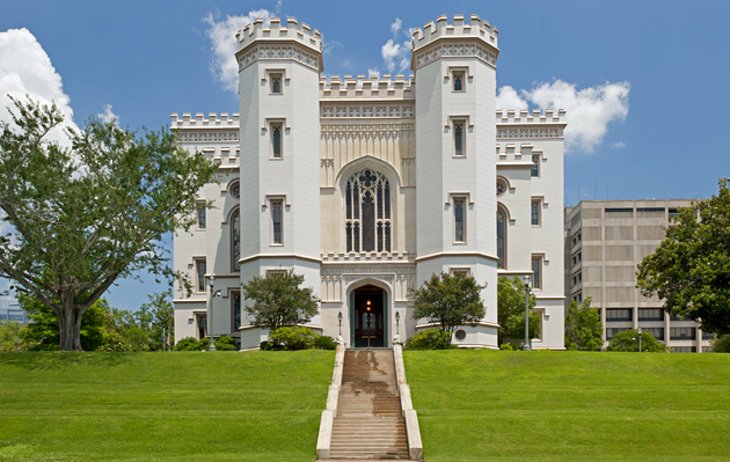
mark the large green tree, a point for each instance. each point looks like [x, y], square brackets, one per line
[278, 300]
[583, 327]
[451, 300]
[511, 311]
[77, 219]
[690, 269]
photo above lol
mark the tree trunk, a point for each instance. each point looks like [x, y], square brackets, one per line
[69, 326]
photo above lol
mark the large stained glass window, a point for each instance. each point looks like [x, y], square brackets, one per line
[368, 225]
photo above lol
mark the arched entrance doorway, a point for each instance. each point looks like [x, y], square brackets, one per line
[368, 309]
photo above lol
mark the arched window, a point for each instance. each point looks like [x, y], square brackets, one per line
[235, 236]
[501, 238]
[368, 225]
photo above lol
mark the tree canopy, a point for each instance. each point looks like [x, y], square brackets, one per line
[278, 300]
[511, 311]
[583, 327]
[451, 300]
[628, 340]
[77, 219]
[690, 269]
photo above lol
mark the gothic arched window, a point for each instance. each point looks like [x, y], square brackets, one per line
[235, 236]
[501, 238]
[368, 225]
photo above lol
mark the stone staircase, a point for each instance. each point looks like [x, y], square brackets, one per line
[368, 424]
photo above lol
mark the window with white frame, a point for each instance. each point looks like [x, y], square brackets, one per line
[200, 270]
[460, 271]
[535, 171]
[276, 81]
[459, 203]
[459, 130]
[235, 238]
[535, 212]
[537, 271]
[276, 206]
[276, 127]
[201, 212]
[458, 78]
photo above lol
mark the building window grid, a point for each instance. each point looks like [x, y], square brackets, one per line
[368, 222]
[651, 314]
[683, 333]
[535, 170]
[619, 314]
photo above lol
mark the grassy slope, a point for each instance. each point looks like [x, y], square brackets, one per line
[550, 406]
[262, 406]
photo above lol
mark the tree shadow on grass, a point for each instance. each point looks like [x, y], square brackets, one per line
[42, 360]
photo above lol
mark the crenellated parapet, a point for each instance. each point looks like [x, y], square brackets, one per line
[462, 37]
[349, 87]
[536, 116]
[533, 125]
[223, 120]
[279, 40]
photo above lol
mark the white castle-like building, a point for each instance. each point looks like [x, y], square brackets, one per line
[368, 186]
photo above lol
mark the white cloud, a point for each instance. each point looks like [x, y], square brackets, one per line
[508, 98]
[26, 69]
[618, 145]
[589, 110]
[396, 52]
[108, 115]
[373, 73]
[222, 35]
[395, 26]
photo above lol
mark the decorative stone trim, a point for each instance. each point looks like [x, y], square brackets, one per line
[324, 439]
[511, 133]
[290, 52]
[413, 431]
[457, 50]
[368, 110]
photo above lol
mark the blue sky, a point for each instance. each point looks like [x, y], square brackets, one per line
[652, 74]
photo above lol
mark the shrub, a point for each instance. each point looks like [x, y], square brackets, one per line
[721, 344]
[324, 342]
[293, 338]
[431, 339]
[507, 347]
[187, 344]
[204, 344]
[628, 341]
[225, 343]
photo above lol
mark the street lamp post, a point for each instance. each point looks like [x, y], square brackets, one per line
[397, 325]
[526, 280]
[339, 322]
[638, 331]
[213, 293]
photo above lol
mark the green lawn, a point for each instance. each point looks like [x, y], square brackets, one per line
[255, 406]
[571, 406]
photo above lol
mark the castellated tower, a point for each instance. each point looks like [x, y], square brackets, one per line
[455, 70]
[279, 70]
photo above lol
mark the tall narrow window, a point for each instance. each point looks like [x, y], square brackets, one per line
[368, 223]
[276, 140]
[535, 212]
[501, 238]
[235, 310]
[535, 165]
[459, 138]
[275, 78]
[536, 272]
[201, 215]
[458, 77]
[235, 229]
[200, 269]
[277, 221]
[459, 219]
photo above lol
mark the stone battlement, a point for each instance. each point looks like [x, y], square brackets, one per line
[363, 87]
[523, 116]
[223, 120]
[279, 31]
[472, 26]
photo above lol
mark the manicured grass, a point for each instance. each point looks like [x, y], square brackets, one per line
[254, 406]
[571, 406]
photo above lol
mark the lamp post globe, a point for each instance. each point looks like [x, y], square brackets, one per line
[527, 281]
